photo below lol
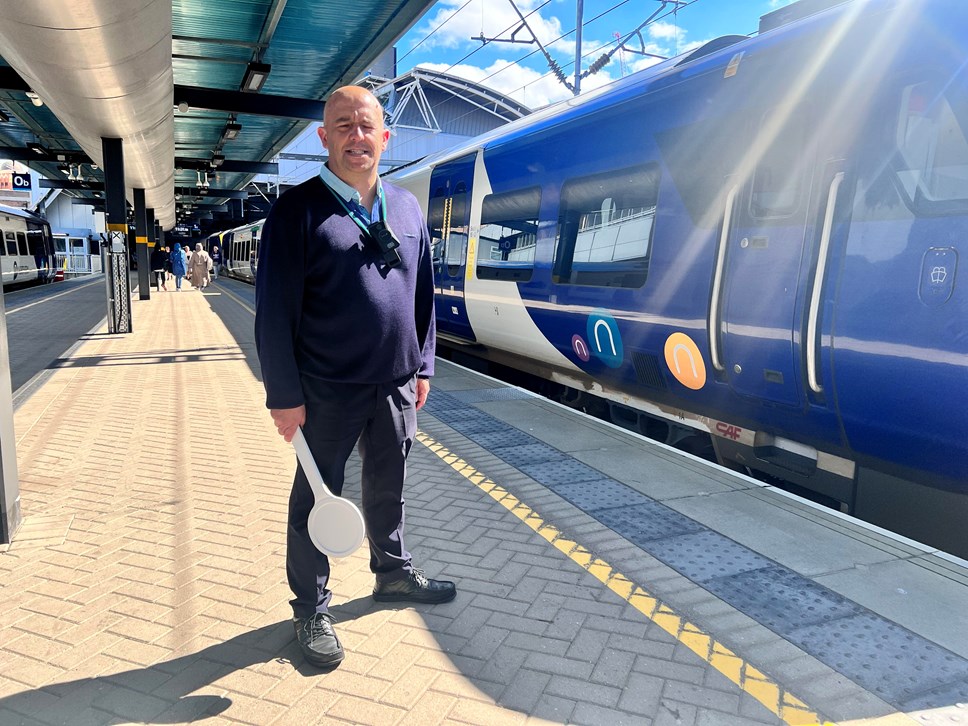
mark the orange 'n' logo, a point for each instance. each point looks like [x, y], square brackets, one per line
[685, 361]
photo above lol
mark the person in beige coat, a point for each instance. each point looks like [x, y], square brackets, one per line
[199, 266]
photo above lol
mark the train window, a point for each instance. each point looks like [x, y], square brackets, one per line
[3, 247]
[779, 168]
[605, 228]
[22, 244]
[11, 242]
[435, 225]
[932, 164]
[509, 235]
[448, 218]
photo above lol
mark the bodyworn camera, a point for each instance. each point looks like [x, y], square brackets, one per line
[385, 240]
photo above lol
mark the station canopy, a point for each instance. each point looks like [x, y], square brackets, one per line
[203, 93]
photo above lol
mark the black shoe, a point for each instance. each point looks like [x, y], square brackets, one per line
[416, 587]
[317, 640]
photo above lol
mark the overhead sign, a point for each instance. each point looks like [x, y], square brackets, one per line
[14, 181]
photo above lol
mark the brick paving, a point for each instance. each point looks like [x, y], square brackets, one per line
[147, 584]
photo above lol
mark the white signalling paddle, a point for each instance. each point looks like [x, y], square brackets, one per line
[336, 525]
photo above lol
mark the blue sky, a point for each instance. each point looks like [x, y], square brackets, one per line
[441, 40]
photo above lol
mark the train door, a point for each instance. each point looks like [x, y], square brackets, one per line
[754, 314]
[448, 218]
[11, 266]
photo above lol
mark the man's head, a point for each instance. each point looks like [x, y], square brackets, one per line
[354, 134]
[198, 246]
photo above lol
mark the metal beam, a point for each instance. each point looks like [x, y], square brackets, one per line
[211, 193]
[208, 208]
[260, 104]
[229, 165]
[22, 153]
[215, 41]
[75, 185]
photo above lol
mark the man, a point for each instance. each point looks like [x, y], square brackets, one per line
[345, 334]
[216, 261]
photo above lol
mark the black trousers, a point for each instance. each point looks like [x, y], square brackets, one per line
[383, 419]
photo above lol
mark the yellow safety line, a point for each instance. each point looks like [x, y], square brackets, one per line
[765, 690]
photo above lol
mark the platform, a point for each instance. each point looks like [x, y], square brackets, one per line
[603, 578]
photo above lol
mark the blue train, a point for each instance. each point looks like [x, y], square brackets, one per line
[756, 244]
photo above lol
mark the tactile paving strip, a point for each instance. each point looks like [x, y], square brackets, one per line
[527, 454]
[480, 395]
[904, 669]
[886, 659]
[564, 471]
[646, 521]
[702, 556]
[781, 599]
[956, 692]
[480, 423]
[599, 493]
[453, 415]
[504, 439]
[440, 401]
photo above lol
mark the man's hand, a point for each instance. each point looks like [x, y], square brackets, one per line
[423, 389]
[288, 419]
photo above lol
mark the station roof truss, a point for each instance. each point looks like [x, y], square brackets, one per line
[245, 79]
[407, 104]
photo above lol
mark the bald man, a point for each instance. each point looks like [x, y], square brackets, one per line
[345, 334]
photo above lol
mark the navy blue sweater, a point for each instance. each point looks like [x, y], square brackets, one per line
[328, 307]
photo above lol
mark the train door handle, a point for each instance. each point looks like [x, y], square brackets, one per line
[813, 311]
[715, 314]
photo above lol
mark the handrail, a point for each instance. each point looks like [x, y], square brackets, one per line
[813, 311]
[714, 314]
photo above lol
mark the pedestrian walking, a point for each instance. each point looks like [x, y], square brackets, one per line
[159, 263]
[179, 265]
[199, 265]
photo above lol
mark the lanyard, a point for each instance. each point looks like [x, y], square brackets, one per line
[353, 209]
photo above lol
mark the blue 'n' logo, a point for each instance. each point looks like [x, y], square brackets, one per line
[604, 340]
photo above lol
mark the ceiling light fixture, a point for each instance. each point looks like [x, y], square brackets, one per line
[217, 160]
[231, 132]
[183, 107]
[35, 99]
[38, 148]
[255, 77]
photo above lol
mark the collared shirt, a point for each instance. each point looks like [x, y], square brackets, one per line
[350, 196]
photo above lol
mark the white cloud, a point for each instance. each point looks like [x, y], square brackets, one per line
[499, 21]
[664, 31]
[643, 63]
[528, 80]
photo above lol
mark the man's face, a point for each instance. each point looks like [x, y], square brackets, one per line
[354, 134]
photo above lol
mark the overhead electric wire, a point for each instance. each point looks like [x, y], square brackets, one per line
[427, 36]
[528, 55]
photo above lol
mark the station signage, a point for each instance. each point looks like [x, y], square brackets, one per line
[14, 181]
